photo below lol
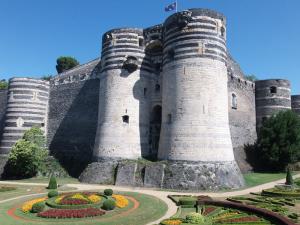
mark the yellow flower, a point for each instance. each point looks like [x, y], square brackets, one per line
[79, 196]
[94, 198]
[121, 201]
[57, 200]
[225, 215]
[172, 222]
[27, 206]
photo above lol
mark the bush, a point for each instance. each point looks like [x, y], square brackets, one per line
[3, 84]
[188, 201]
[38, 207]
[108, 192]
[109, 204]
[52, 193]
[195, 218]
[278, 142]
[289, 177]
[65, 63]
[52, 183]
[27, 155]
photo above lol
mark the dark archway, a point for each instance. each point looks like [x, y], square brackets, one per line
[154, 134]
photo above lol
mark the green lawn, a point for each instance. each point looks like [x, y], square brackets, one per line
[253, 179]
[150, 209]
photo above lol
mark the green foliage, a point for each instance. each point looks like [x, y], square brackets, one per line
[196, 218]
[188, 201]
[27, 155]
[109, 204]
[289, 178]
[65, 63]
[108, 192]
[46, 77]
[251, 77]
[52, 183]
[3, 84]
[278, 141]
[38, 207]
[35, 136]
[52, 193]
[4, 189]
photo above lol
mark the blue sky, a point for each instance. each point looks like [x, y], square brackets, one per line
[263, 35]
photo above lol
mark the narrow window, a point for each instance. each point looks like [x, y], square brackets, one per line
[141, 42]
[157, 88]
[233, 101]
[222, 31]
[125, 119]
[273, 90]
[169, 118]
[145, 92]
[42, 124]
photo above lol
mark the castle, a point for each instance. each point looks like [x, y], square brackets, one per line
[170, 92]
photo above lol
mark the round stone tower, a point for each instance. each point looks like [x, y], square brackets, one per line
[195, 128]
[27, 106]
[296, 104]
[271, 96]
[124, 96]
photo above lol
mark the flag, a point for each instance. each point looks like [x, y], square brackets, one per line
[171, 7]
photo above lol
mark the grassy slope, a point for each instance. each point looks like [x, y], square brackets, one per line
[150, 209]
[253, 179]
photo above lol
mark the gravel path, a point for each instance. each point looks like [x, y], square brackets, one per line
[163, 195]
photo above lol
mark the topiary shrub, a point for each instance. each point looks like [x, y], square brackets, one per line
[108, 192]
[195, 218]
[188, 201]
[289, 177]
[52, 183]
[38, 207]
[52, 193]
[109, 204]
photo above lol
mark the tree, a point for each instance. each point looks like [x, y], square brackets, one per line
[251, 77]
[27, 155]
[278, 141]
[46, 77]
[3, 84]
[65, 63]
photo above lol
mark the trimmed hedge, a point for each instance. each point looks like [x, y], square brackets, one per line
[38, 207]
[108, 192]
[271, 192]
[109, 204]
[51, 203]
[52, 183]
[52, 193]
[187, 201]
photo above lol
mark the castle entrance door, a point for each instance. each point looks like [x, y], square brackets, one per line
[155, 125]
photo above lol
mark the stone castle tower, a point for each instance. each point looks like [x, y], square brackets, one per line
[171, 93]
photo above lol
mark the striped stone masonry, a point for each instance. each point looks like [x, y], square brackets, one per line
[27, 106]
[271, 96]
[296, 104]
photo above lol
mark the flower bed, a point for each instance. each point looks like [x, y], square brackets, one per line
[27, 206]
[71, 213]
[121, 201]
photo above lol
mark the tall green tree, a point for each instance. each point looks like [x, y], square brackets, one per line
[27, 155]
[3, 84]
[278, 141]
[64, 63]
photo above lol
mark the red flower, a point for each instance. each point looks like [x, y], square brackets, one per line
[71, 213]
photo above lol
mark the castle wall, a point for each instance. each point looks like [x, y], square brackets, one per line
[271, 96]
[296, 104]
[27, 106]
[3, 103]
[72, 122]
[124, 103]
[242, 118]
[195, 124]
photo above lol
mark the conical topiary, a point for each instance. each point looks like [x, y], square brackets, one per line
[289, 177]
[52, 183]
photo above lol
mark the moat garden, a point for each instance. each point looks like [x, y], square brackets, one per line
[35, 201]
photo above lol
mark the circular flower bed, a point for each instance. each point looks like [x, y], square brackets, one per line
[78, 199]
[27, 206]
